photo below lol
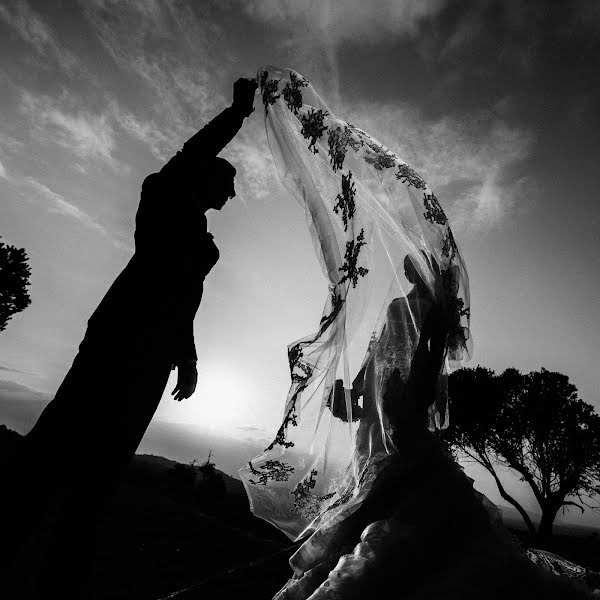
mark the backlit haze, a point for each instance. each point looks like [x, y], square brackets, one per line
[496, 106]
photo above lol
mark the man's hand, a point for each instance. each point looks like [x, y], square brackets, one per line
[187, 378]
[243, 95]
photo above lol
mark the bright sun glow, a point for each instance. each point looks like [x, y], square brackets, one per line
[223, 399]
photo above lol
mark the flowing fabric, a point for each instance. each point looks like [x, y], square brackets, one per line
[397, 307]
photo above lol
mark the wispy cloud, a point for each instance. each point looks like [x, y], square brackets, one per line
[137, 36]
[250, 154]
[167, 50]
[250, 428]
[59, 204]
[3, 173]
[10, 144]
[315, 29]
[161, 141]
[515, 35]
[88, 135]
[55, 202]
[482, 150]
[11, 390]
[184, 92]
[349, 20]
[33, 30]
[466, 158]
[9, 369]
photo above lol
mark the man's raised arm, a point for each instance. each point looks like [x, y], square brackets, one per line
[214, 136]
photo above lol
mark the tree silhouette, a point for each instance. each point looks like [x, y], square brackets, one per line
[210, 490]
[14, 279]
[533, 424]
[202, 485]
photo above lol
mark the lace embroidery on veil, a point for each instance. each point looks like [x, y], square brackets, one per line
[367, 211]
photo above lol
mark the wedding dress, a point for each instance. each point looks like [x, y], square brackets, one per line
[356, 468]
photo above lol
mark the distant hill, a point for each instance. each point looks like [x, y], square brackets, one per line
[21, 406]
[156, 539]
[187, 442]
[158, 467]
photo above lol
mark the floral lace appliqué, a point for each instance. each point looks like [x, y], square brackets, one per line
[295, 353]
[358, 132]
[343, 499]
[269, 90]
[312, 127]
[273, 470]
[349, 268]
[409, 176]
[433, 211]
[449, 249]
[345, 201]
[455, 307]
[291, 418]
[379, 157]
[338, 140]
[301, 372]
[336, 305]
[292, 93]
[305, 502]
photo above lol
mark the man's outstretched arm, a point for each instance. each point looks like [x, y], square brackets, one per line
[214, 136]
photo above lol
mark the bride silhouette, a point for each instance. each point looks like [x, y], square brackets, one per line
[356, 472]
[422, 531]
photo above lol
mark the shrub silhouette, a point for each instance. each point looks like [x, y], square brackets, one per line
[210, 491]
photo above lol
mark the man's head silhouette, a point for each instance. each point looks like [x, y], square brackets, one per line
[221, 183]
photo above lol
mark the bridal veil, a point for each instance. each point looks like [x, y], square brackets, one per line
[388, 253]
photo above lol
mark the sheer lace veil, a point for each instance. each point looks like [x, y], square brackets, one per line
[367, 211]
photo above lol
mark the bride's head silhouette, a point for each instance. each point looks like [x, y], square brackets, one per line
[410, 270]
[414, 276]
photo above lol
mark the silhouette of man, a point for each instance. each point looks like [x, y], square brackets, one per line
[142, 328]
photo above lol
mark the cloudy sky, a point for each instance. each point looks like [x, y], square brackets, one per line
[494, 102]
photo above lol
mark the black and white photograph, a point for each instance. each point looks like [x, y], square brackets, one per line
[299, 299]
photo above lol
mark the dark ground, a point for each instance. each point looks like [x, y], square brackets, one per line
[156, 541]
[154, 544]
[159, 539]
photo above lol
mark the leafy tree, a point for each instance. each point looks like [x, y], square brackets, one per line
[533, 424]
[14, 279]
